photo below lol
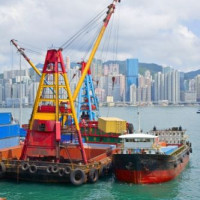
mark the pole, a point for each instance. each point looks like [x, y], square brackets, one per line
[20, 93]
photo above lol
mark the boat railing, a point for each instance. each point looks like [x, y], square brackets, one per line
[179, 150]
[139, 151]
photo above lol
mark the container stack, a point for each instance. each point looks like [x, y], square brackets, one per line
[9, 131]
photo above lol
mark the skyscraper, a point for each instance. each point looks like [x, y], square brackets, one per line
[131, 75]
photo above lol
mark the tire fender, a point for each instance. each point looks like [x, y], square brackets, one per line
[55, 169]
[2, 169]
[93, 175]
[77, 176]
[49, 169]
[67, 170]
[61, 172]
[25, 166]
[33, 169]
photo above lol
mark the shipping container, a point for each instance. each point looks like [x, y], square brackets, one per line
[11, 130]
[112, 125]
[5, 118]
[9, 142]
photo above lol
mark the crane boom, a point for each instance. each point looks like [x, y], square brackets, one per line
[25, 56]
[110, 11]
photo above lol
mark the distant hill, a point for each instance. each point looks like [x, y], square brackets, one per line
[192, 74]
[153, 68]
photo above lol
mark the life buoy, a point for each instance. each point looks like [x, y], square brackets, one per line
[61, 172]
[49, 169]
[55, 169]
[2, 169]
[33, 169]
[77, 177]
[25, 166]
[93, 175]
[67, 170]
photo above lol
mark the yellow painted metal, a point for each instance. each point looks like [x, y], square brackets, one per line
[112, 125]
[84, 73]
[71, 102]
[34, 67]
[45, 116]
[56, 75]
[37, 100]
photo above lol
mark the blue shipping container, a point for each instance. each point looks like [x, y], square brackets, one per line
[5, 118]
[9, 142]
[11, 130]
[22, 132]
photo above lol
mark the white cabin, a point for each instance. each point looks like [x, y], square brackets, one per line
[139, 143]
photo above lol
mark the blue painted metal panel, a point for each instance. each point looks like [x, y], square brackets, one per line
[5, 118]
[9, 142]
[22, 132]
[66, 138]
[11, 130]
[169, 149]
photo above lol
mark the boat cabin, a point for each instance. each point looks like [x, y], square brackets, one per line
[139, 143]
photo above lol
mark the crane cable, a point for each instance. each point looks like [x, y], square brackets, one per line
[82, 30]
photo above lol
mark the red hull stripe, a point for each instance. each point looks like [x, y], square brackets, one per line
[147, 177]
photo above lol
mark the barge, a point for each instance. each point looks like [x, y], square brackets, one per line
[157, 157]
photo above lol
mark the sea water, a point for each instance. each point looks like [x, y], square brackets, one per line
[185, 186]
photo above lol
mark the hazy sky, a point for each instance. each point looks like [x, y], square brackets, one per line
[166, 32]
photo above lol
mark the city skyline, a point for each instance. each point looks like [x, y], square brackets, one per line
[168, 86]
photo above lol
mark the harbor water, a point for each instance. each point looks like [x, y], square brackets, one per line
[185, 186]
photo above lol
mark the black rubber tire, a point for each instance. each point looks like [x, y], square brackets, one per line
[102, 171]
[93, 175]
[61, 172]
[33, 169]
[25, 166]
[190, 150]
[67, 170]
[49, 169]
[55, 169]
[2, 169]
[77, 177]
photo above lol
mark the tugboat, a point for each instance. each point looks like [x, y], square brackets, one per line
[156, 157]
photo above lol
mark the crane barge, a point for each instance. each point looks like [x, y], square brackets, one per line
[43, 157]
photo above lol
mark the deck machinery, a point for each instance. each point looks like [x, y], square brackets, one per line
[43, 158]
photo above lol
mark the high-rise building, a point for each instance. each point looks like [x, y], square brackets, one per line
[133, 94]
[131, 75]
[67, 63]
[197, 87]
